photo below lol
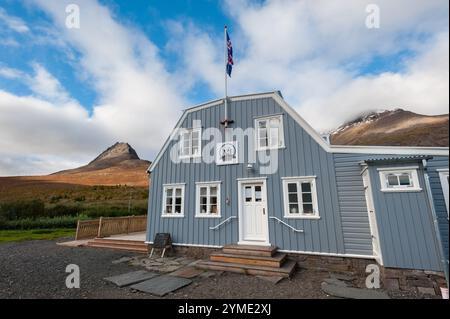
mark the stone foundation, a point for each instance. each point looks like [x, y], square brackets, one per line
[392, 279]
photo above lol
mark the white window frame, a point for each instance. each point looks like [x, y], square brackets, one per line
[199, 145]
[173, 187]
[443, 176]
[411, 171]
[280, 137]
[298, 180]
[198, 185]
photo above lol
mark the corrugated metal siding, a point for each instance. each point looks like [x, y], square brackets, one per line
[301, 157]
[438, 197]
[405, 225]
[352, 203]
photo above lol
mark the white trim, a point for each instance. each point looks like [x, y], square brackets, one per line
[375, 234]
[381, 150]
[287, 178]
[298, 180]
[174, 184]
[326, 254]
[164, 201]
[280, 250]
[390, 150]
[443, 176]
[206, 182]
[251, 179]
[197, 199]
[267, 118]
[241, 183]
[411, 171]
[398, 168]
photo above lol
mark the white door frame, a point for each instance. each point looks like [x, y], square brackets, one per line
[443, 175]
[251, 181]
[372, 215]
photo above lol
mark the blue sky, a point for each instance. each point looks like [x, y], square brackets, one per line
[132, 66]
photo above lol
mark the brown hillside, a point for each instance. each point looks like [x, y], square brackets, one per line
[394, 128]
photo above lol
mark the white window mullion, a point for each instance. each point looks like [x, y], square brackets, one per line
[300, 191]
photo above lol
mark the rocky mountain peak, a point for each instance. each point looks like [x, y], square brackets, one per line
[120, 151]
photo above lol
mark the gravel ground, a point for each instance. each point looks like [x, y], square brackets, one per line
[36, 269]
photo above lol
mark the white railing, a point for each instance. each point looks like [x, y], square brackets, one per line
[223, 222]
[282, 222]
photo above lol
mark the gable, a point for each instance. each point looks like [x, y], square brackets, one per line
[216, 107]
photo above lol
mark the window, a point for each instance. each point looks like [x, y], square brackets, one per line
[443, 175]
[399, 179]
[300, 197]
[190, 143]
[208, 199]
[269, 132]
[173, 200]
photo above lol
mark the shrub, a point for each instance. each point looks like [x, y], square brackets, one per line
[43, 222]
[23, 209]
[79, 199]
[62, 210]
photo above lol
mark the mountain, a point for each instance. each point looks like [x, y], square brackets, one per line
[118, 164]
[393, 128]
[120, 155]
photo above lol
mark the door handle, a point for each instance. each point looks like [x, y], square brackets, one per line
[264, 211]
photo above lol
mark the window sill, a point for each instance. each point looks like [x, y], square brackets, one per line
[172, 216]
[401, 190]
[301, 217]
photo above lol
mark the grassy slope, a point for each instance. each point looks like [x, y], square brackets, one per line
[34, 234]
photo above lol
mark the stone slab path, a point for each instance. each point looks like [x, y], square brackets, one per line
[131, 278]
[161, 285]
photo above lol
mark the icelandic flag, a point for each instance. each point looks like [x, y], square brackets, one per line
[230, 55]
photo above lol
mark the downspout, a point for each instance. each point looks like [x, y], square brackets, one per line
[435, 220]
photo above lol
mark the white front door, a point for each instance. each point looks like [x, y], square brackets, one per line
[253, 219]
[372, 217]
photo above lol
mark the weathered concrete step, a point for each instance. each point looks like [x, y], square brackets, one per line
[284, 271]
[275, 261]
[250, 250]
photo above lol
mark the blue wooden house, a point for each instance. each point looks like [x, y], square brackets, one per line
[279, 183]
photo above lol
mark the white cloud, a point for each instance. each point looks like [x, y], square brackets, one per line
[137, 100]
[14, 23]
[312, 50]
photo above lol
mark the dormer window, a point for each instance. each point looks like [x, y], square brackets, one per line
[190, 143]
[269, 133]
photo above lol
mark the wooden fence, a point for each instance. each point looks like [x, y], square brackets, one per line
[107, 226]
[87, 229]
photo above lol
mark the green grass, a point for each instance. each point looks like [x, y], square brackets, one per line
[34, 234]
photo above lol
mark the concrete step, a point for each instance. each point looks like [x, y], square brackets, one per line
[250, 250]
[285, 270]
[274, 261]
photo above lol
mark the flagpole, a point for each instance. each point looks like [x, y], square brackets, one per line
[225, 69]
